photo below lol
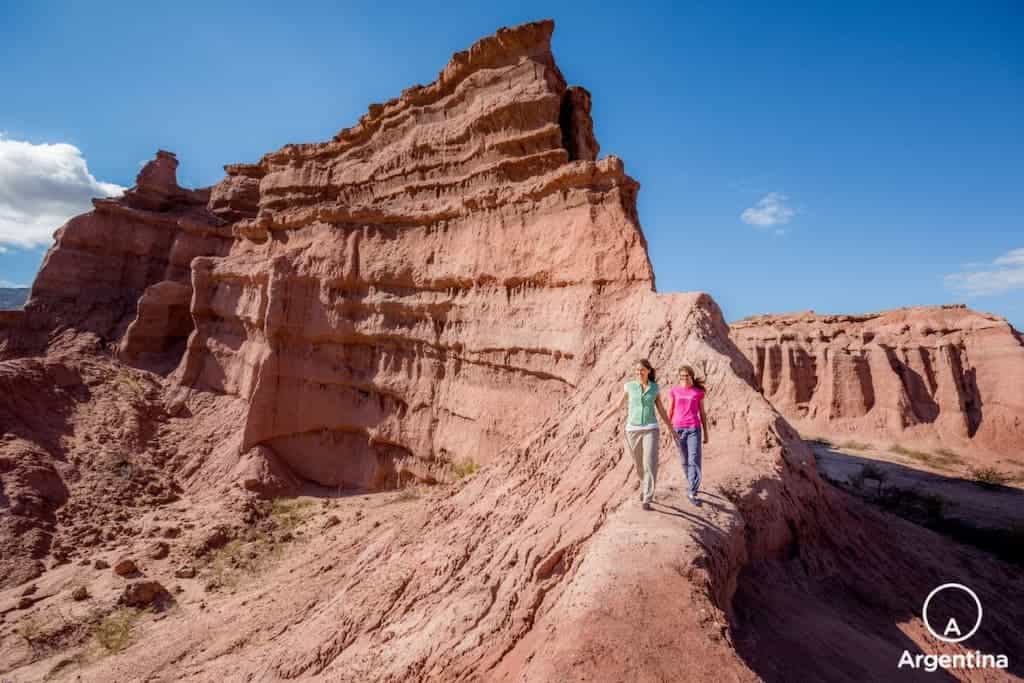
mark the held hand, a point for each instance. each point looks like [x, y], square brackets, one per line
[705, 435]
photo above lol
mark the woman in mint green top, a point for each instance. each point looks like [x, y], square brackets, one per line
[641, 434]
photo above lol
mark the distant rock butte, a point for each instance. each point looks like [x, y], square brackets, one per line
[456, 277]
[941, 375]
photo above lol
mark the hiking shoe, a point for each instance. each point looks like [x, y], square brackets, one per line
[694, 500]
[646, 506]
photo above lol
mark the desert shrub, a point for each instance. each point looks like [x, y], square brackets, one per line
[114, 631]
[989, 477]
[226, 566]
[225, 562]
[133, 385]
[31, 629]
[465, 468]
[932, 459]
[289, 513]
[49, 630]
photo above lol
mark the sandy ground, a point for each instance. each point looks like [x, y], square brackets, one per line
[263, 582]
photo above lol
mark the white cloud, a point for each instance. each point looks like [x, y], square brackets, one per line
[1014, 257]
[7, 284]
[41, 187]
[770, 210]
[1004, 273]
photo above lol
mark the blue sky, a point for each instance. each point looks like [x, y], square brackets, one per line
[875, 150]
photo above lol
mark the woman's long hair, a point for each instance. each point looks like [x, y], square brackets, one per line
[650, 369]
[697, 381]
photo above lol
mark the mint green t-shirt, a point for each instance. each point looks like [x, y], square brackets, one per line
[641, 403]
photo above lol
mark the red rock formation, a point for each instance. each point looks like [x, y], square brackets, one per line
[457, 277]
[944, 374]
[400, 293]
[103, 261]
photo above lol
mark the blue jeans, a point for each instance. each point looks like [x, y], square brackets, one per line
[688, 441]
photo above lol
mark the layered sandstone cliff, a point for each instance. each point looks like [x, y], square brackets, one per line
[941, 375]
[405, 293]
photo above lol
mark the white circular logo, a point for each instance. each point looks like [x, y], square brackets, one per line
[951, 625]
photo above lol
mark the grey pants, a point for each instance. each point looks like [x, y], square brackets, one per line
[644, 448]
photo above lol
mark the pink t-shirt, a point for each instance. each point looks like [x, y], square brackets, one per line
[686, 406]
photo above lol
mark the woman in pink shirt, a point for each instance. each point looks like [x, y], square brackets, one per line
[690, 425]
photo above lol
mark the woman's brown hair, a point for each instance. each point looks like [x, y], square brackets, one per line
[650, 369]
[697, 382]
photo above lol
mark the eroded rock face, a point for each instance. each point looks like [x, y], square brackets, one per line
[403, 296]
[162, 323]
[103, 261]
[938, 374]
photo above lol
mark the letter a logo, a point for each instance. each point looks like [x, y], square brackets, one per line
[952, 633]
